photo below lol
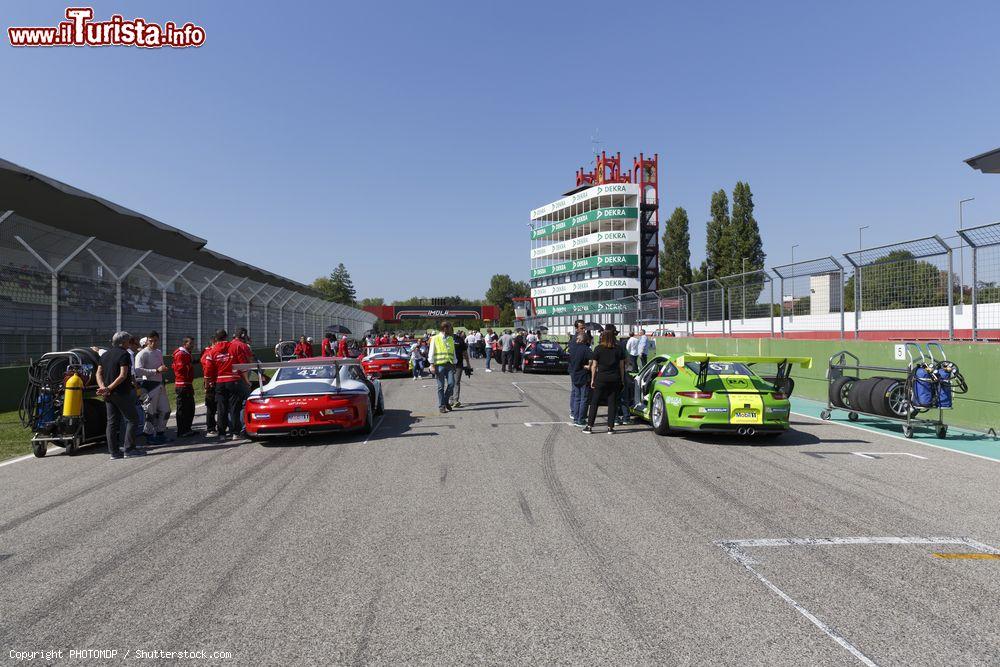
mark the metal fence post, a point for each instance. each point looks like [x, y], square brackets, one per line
[857, 301]
[781, 281]
[951, 298]
[197, 302]
[840, 297]
[975, 304]
[770, 307]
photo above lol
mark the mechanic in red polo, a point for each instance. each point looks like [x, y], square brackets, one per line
[183, 388]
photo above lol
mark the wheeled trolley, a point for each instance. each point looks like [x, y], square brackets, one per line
[917, 394]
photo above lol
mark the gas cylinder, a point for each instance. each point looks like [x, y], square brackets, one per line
[73, 397]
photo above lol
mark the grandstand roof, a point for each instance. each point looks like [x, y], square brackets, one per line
[54, 203]
[45, 200]
[987, 163]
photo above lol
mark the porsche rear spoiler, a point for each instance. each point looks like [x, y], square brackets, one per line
[784, 364]
[261, 366]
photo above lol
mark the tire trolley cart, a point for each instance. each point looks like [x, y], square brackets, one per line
[917, 394]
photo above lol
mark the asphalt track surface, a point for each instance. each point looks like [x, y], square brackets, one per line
[472, 537]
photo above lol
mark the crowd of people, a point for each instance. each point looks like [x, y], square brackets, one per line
[131, 378]
[598, 373]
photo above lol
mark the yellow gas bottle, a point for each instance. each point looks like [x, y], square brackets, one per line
[73, 396]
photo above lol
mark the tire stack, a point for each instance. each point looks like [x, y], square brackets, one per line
[877, 396]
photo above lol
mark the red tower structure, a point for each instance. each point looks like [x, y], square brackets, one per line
[645, 172]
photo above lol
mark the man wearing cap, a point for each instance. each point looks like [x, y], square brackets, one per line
[149, 369]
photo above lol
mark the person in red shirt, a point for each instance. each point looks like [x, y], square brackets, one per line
[328, 345]
[231, 386]
[309, 347]
[342, 347]
[300, 348]
[208, 374]
[183, 377]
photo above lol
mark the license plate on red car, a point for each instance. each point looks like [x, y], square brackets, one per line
[298, 417]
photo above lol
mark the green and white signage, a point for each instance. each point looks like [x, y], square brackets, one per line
[624, 236]
[583, 308]
[596, 191]
[588, 263]
[586, 286]
[619, 213]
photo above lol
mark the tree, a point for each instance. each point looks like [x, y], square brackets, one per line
[744, 234]
[338, 287]
[675, 256]
[371, 301]
[717, 237]
[503, 289]
[898, 280]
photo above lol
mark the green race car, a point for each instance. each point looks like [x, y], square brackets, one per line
[710, 393]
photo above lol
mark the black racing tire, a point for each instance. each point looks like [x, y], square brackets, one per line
[658, 416]
[879, 397]
[380, 408]
[858, 395]
[369, 421]
[39, 449]
[839, 390]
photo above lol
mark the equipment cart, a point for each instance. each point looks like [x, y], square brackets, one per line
[917, 394]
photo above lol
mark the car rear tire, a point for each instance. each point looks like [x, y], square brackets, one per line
[380, 408]
[839, 390]
[658, 416]
[369, 420]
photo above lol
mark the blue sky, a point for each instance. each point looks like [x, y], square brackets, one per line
[410, 140]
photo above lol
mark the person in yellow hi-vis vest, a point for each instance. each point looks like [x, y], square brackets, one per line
[441, 356]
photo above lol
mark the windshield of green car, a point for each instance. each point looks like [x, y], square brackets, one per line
[720, 368]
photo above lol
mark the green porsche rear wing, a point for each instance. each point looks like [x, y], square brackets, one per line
[784, 364]
[804, 362]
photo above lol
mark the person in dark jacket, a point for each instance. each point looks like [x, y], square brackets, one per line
[579, 374]
[607, 375]
[519, 351]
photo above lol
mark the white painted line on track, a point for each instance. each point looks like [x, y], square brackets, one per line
[53, 450]
[912, 441]
[735, 550]
[374, 428]
[530, 424]
[875, 455]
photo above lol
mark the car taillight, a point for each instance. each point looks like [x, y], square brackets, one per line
[779, 396]
[258, 401]
[703, 395]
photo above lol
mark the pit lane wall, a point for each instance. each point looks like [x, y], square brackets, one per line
[978, 362]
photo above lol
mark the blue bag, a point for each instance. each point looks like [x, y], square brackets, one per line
[923, 388]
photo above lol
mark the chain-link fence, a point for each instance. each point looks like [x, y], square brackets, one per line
[984, 294]
[906, 288]
[909, 290]
[60, 290]
[812, 297]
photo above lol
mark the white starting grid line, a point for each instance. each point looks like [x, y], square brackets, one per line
[875, 455]
[735, 549]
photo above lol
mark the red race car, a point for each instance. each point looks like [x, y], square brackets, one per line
[386, 360]
[306, 396]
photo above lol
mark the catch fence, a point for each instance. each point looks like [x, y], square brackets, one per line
[60, 290]
[907, 290]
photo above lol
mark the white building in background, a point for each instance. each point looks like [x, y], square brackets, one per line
[595, 249]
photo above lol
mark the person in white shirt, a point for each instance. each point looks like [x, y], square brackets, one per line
[647, 346]
[149, 369]
[632, 349]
